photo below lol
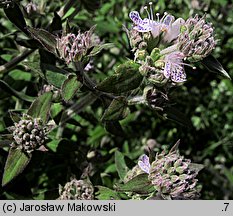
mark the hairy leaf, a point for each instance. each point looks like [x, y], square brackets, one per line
[47, 39]
[139, 184]
[120, 164]
[213, 65]
[127, 78]
[15, 164]
[41, 106]
[117, 110]
[70, 87]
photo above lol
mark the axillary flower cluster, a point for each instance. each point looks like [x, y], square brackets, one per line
[170, 174]
[162, 45]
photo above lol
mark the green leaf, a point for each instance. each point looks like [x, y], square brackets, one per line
[4, 86]
[127, 78]
[70, 87]
[97, 49]
[14, 116]
[41, 106]
[117, 110]
[47, 39]
[53, 145]
[15, 15]
[114, 127]
[105, 193]
[54, 78]
[121, 166]
[213, 65]
[35, 67]
[139, 184]
[15, 164]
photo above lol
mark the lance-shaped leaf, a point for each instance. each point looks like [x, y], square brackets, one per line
[70, 87]
[213, 65]
[48, 40]
[116, 111]
[41, 106]
[105, 193]
[54, 78]
[4, 86]
[127, 78]
[114, 127]
[196, 167]
[15, 15]
[139, 184]
[97, 49]
[120, 165]
[15, 164]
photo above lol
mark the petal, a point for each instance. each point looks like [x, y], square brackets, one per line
[178, 74]
[168, 20]
[144, 163]
[142, 28]
[173, 31]
[167, 70]
[135, 17]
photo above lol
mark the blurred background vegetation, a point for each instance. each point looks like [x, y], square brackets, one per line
[206, 99]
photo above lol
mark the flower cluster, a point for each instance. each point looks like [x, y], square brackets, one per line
[162, 45]
[73, 47]
[76, 190]
[171, 175]
[29, 134]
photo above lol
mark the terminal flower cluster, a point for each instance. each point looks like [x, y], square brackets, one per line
[171, 175]
[162, 44]
[76, 190]
[72, 47]
[29, 134]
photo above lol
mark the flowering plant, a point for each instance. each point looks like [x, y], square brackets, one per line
[82, 98]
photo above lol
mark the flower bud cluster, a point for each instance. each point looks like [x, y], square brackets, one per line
[196, 40]
[175, 40]
[29, 134]
[73, 47]
[76, 190]
[171, 175]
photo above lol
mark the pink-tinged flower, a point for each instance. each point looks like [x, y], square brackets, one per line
[174, 68]
[144, 163]
[165, 25]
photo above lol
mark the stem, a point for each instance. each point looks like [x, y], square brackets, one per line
[13, 63]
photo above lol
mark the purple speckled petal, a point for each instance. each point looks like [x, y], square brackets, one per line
[178, 74]
[135, 17]
[142, 28]
[144, 163]
[167, 70]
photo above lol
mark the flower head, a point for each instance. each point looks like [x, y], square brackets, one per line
[174, 68]
[173, 175]
[165, 25]
[29, 134]
[73, 47]
[76, 190]
[196, 40]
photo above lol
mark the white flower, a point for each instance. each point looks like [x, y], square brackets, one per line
[165, 25]
[174, 68]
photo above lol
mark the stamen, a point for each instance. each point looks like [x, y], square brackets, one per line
[157, 14]
[145, 8]
[164, 15]
[151, 11]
